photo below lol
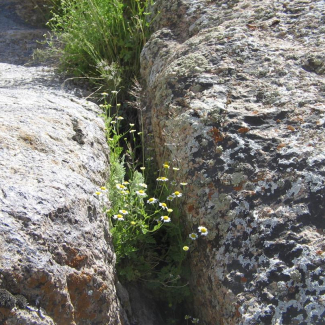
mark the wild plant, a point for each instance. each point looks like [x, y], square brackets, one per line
[145, 213]
[101, 40]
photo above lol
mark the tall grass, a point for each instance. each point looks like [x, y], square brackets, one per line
[101, 39]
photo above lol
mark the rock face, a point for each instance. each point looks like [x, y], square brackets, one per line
[18, 38]
[235, 97]
[56, 256]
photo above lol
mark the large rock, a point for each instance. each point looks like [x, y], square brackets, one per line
[57, 264]
[235, 97]
[56, 250]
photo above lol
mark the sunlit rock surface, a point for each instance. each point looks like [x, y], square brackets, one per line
[235, 97]
[57, 264]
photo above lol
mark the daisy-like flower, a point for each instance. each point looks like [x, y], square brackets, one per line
[165, 219]
[104, 94]
[166, 165]
[177, 194]
[131, 124]
[170, 198]
[143, 185]
[141, 193]
[133, 223]
[195, 320]
[118, 105]
[203, 230]
[152, 200]
[183, 184]
[173, 183]
[126, 183]
[103, 188]
[163, 205]
[193, 236]
[118, 217]
[120, 187]
[175, 168]
[170, 210]
[132, 131]
[185, 248]
[113, 122]
[188, 317]
[120, 118]
[125, 192]
[142, 168]
[124, 212]
[98, 193]
[114, 92]
[162, 179]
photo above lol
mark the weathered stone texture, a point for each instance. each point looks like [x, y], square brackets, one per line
[235, 96]
[55, 246]
[56, 256]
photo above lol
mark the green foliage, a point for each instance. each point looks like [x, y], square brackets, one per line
[101, 39]
[145, 216]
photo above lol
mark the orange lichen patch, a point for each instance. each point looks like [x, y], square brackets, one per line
[319, 252]
[74, 258]
[190, 208]
[278, 121]
[260, 177]
[4, 313]
[251, 27]
[237, 312]
[216, 134]
[78, 290]
[18, 277]
[98, 293]
[211, 191]
[298, 119]
[291, 128]
[249, 193]
[280, 146]
[54, 301]
[36, 280]
[243, 280]
[238, 188]
[103, 287]
[78, 261]
[243, 130]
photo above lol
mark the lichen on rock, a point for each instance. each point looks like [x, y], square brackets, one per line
[234, 96]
